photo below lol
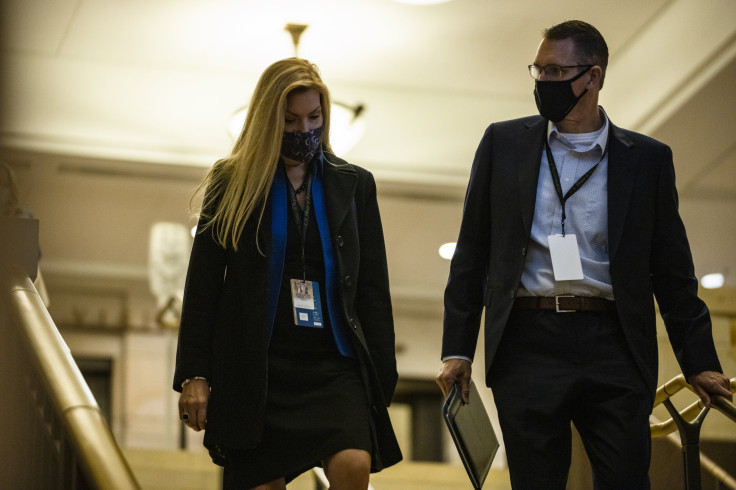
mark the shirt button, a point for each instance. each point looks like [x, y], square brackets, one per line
[348, 281]
[340, 241]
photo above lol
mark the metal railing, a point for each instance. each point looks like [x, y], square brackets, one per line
[54, 435]
[688, 422]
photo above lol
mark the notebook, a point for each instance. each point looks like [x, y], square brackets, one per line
[472, 432]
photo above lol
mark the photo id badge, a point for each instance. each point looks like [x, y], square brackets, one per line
[565, 254]
[307, 304]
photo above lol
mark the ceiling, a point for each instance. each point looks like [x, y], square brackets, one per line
[112, 111]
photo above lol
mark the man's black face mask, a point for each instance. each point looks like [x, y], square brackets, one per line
[555, 100]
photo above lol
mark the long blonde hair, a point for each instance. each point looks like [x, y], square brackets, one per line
[238, 185]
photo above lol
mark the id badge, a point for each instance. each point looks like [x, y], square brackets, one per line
[307, 305]
[566, 263]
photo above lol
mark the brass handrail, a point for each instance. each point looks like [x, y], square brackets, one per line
[95, 450]
[721, 475]
[692, 411]
[688, 422]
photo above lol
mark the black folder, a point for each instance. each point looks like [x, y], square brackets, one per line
[472, 432]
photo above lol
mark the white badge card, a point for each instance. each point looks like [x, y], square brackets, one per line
[566, 262]
[307, 305]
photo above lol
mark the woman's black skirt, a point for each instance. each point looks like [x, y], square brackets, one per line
[315, 407]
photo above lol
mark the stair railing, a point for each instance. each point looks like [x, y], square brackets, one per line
[688, 422]
[55, 435]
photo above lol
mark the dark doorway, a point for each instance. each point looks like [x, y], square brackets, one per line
[425, 400]
[97, 373]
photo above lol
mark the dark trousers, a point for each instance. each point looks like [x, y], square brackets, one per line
[552, 369]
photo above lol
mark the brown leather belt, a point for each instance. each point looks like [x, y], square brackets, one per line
[563, 304]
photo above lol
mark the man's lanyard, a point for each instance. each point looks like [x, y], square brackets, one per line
[577, 185]
[302, 218]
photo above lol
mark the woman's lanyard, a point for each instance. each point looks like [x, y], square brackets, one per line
[302, 218]
[577, 185]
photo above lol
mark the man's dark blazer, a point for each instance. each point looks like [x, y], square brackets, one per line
[223, 334]
[648, 249]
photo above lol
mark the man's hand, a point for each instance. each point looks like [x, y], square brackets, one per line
[455, 371]
[193, 404]
[709, 383]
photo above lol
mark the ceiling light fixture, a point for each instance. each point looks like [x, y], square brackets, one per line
[346, 124]
[712, 281]
[447, 250]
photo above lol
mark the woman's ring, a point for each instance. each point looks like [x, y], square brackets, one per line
[185, 416]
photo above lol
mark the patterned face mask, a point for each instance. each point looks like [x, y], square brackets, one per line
[301, 146]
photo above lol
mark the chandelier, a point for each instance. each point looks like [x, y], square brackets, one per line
[346, 124]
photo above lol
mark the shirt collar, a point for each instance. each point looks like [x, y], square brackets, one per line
[600, 142]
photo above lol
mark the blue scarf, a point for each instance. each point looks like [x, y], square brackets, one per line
[278, 197]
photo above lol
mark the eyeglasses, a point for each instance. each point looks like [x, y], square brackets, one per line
[552, 72]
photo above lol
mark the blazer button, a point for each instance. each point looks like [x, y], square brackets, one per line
[348, 281]
[340, 241]
[353, 323]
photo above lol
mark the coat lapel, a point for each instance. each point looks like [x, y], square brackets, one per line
[621, 176]
[528, 167]
[340, 184]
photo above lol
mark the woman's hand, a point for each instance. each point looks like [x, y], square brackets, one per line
[193, 404]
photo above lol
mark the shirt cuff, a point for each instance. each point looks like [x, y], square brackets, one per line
[189, 380]
[465, 358]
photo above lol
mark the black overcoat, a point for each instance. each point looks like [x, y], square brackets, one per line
[224, 333]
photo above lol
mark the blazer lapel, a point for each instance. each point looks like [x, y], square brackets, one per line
[340, 184]
[529, 144]
[621, 175]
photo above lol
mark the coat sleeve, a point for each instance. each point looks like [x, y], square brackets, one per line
[205, 278]
[464, 293]
[675, 286]
[373, 298]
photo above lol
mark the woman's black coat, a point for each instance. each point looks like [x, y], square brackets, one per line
[224, 334]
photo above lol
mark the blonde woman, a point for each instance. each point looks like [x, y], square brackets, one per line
[286, 352]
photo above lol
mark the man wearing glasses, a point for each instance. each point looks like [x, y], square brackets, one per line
[569, 231]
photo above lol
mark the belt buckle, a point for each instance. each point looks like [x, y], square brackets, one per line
[557, 303]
